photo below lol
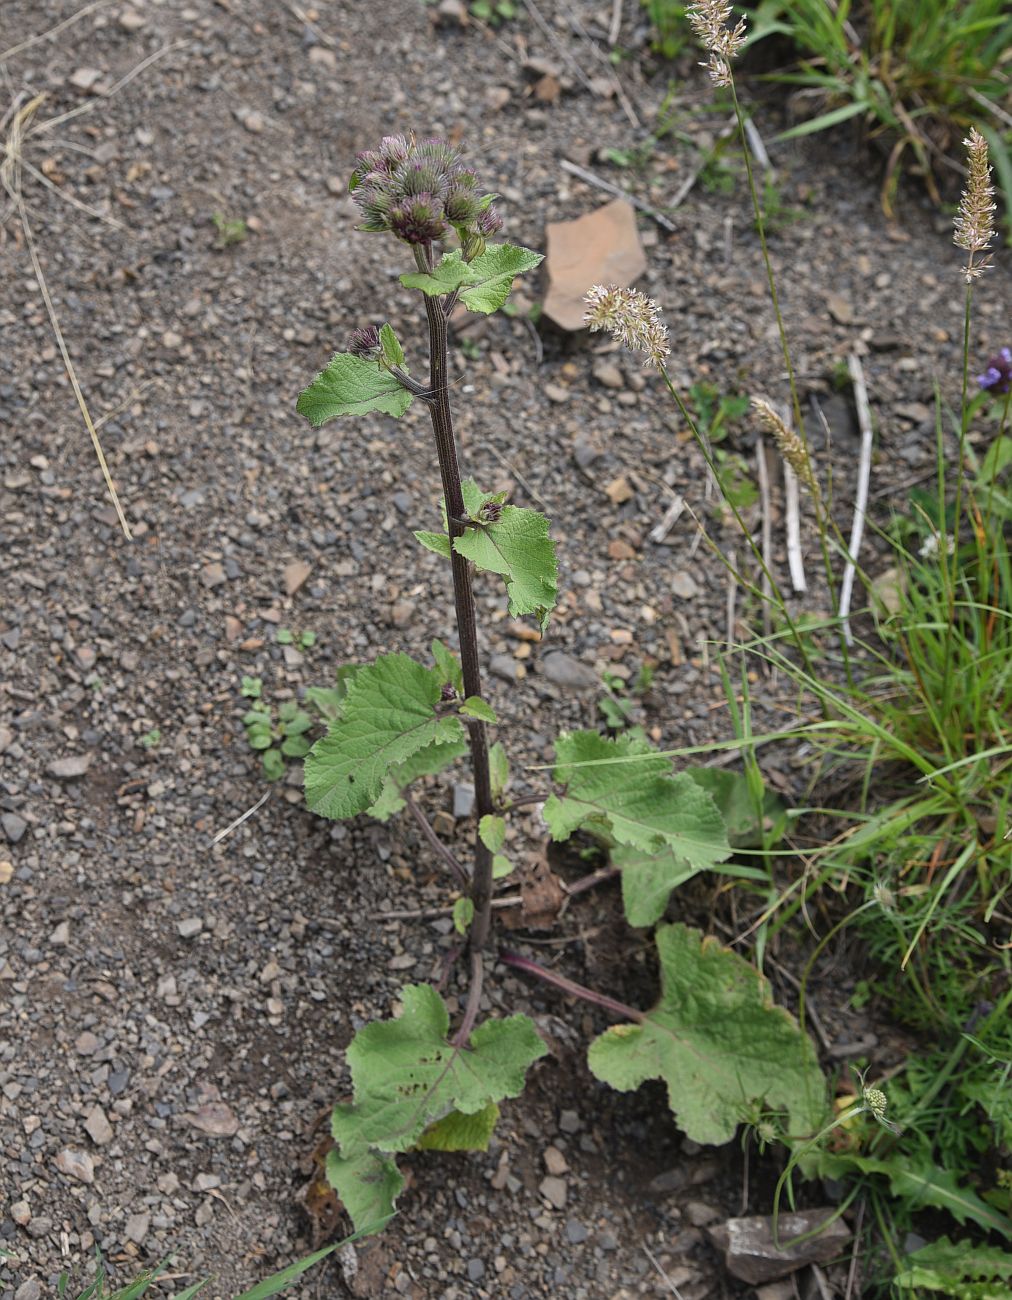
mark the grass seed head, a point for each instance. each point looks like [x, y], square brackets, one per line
[630, 317]
[790, 446]
[710, 21]
[975, 218]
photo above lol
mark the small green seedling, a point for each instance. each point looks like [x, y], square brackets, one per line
[151, 739]
[302, 640]
[231, 230]
[277, 737]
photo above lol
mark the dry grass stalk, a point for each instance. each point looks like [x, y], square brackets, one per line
[975, 218]
[790, 446]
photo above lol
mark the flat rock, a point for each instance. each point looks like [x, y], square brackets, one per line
[554, 1190]
[97, 1126]
[294, 575]
[563, 670]
[189, 927]
[601, 247]
[214, 1118]
[750, 1254]
[684, 585]
[74, 765]
[76, 1164]
[14, 826]
[31, 1289]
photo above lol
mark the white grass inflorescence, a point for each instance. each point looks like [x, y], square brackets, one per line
[975, 218]
[631, 317]
[710, 21]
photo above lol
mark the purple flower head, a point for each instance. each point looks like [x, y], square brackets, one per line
[997, 378]
[461, 205]
[418, 219]
[365, 342]
[418, 190]
[489, 222]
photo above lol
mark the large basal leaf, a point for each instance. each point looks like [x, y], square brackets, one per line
[427, 762]
[352, 385]
[628, 792]
[648, 879]
[718, 1043]
[407, 1077]
[484, 282]
[457, 1132]
[388, 716]
[368, 1185]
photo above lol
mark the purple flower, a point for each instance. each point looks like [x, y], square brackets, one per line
[418, 190]
[997, 378]
[365, 342]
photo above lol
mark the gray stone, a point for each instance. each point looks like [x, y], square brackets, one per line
[563, 670]
[475, 1269]
[576, 1232]
[189, 927]
[554, 1190]
[137, 1227]
[14, 826]
[29, 1290]
[504, 666]
[750, 1253]
[74, 765]
[463, 800]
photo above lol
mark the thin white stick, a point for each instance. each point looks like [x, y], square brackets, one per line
[792, 520]
[239, 820]
[756, 146]
[856, 372]
[661, 530]
[616, 22]
[763, 473]
[732, 594]
[593, 179]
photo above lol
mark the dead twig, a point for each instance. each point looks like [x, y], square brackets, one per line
[856, 372]
[615, 26]
[239, 820]
[53, 31]
[792, 522]
[592, 179]
[661, 530]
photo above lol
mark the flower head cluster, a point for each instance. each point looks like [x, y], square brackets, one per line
[365, 342]
[709, 20]
[997, 378]
[975, 218]
[631, 317]
[419, 190]
[790, 446]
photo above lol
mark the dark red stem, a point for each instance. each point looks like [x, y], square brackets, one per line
[571, 987]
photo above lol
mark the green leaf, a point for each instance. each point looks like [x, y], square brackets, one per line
[463, 915]
[491, 276]
[437, 542]
[406, 1075]
[648, 879]
[501, 867]
[388, 716]
[484, 282]
[251, 687]
[457, 1132]
[499, 770]
[274, 764]
[274, 1285]
[717, 1041]
[518, 547]
[259, 736]
[285, 636]
[492, 832]
[475, 707]
[329, 700]
[945, 1265]
[629, 793]
[352, 385]
[298, 725]
[288, 710]
[295, 746]
[730, 792]
[368, 1185]
[449, 273]
[393, 353]
[918, 1186]
[256, 718]
[448, 665]
[427, 762]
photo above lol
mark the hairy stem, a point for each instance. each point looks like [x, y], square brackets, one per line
[473, 1000]
[571, 987]
[463, 599]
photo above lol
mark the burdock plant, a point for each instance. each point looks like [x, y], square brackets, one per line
[417, 1083]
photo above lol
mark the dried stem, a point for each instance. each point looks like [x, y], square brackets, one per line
[435, 841]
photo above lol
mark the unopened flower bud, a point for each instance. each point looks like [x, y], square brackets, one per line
[491, 512]
[418, 220]
[489, 222]
[447, 693]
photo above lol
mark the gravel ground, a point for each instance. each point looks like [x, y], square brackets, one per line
[173, 1012]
